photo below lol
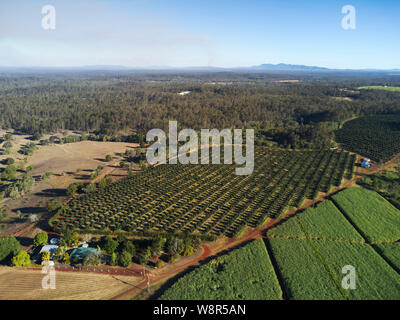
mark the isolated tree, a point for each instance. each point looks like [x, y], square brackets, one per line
[9, 161]
[148, 252]
[37, 136]
[108, 158]
[125, 259]
[59, 253]
[7, 145]
[91, 187]
[113, 260]
[45, 256]
[92, 259]
[9, 172]
[47, 175]
[21, 259]
[121, 238]
[86, 237]
[13, 192]
[129, 246]
[158, 245]
[54, 205]
[71, 238]
[174, 257]
[66, 258]
[110, 245]
[142, 259]
[8, 246]
[171, 245]
[72, 189]
[26, 183]
[188, 251]
[142, 164]
[105, 182]
[28, 169]
[130, 171]
[41, 239]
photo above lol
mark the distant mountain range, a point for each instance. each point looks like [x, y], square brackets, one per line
[281, 67]
[288, 67]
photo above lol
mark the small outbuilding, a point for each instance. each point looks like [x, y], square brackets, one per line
[366, 163]
[54, 241]
[184, 93]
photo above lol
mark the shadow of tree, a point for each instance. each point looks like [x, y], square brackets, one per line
[52, 193]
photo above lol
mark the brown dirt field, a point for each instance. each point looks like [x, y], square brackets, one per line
[16, 284]
[73, 156]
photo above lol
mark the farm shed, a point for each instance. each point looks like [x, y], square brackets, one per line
[184, 93]
[366, 163]
[54, 241]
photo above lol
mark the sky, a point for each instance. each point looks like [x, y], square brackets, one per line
[184, 33]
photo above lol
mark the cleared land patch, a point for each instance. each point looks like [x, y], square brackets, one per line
[243, 274]
[73, 156]
[375, 217]
[385, 88]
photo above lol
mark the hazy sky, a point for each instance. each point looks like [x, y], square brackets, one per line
[179, 33]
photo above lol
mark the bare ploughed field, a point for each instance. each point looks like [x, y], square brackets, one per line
[17, 284]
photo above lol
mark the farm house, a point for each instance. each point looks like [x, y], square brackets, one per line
[366, 163]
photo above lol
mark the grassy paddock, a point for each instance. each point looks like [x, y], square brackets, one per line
[391, 252]
[324, 222]
[243, 274]
[392, 89]
[312, 270]
[375, 217]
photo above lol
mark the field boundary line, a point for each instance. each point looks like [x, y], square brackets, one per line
[390, 263]
[324, 263]
[279, 277]
[345, 215]
[372, 245]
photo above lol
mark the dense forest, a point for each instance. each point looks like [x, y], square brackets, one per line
[109, 103]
